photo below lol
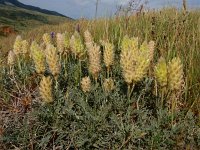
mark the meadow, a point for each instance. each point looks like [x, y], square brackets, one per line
[126, 82]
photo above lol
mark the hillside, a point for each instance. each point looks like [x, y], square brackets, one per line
[22, 17]
[21, 5]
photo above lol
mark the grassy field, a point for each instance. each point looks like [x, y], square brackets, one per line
[23, 19]
[117, 83]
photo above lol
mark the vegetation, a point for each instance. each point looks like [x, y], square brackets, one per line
[129, 82]
[18, 17]
[22, 19]
[18, 20]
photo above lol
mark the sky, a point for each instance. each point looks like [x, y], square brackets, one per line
[86, 8]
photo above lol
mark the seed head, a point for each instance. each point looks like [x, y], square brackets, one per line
[46, 38]
[129, 44]
[95, 61]
[108, 54]
[148, 48]
[66, 41]
[108, 85]
[77, 46]
[89, 42]
[127, 58]
[38, 58]
[60, 39]
[25, 47]
[86, 84]
[151, 47]
[46, 89]
[53, 60]
[127, 64]
[11, 58]
[17, 49]
[141, 66]
[144, 46]
[175, 74]
[161, 72]
[134, 61]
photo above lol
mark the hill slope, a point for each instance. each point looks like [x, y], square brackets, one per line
[22, 17]
[21, 5]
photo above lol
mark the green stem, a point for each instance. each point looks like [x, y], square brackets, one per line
[11, 70]
[128, 91]
[172, 117]
[19, 64]
[96, 80]
[162, 97]
[108, 71]
[137, 103]
[132, 89]
[80, 69]
[172, 109]
[86, 97]
[56, 83]
[65, 66]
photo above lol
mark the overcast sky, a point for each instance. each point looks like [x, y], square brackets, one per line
[86, 8]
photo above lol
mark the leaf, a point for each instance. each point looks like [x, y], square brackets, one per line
[45, 140]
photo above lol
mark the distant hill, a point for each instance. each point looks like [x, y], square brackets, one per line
[20, 17]
[21, 5]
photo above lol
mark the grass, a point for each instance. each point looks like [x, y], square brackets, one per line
[23, 19]
[99, 119]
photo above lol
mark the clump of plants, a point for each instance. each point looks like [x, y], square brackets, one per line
[77, 93]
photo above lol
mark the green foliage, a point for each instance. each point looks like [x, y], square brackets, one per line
[102, 123]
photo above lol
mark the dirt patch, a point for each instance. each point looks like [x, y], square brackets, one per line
[7, 30]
